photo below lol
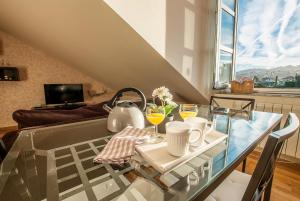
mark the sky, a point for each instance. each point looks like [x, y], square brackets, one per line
[268, 34]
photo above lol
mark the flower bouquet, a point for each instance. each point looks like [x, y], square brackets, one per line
[165, 100]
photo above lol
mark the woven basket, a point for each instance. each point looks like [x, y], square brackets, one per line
[246, 87]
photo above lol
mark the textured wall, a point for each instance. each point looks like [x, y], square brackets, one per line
[37, 69]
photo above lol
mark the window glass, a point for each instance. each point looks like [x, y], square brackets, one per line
[227, 29]
[225, 67]
[229, 3]
[268, 44]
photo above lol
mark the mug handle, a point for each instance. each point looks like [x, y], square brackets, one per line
[199, 136]
[210, 125]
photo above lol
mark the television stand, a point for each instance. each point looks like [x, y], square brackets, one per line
[68, 106]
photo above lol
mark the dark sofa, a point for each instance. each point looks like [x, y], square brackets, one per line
[30, 118]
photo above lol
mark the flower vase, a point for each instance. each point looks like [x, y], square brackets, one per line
[162, 127]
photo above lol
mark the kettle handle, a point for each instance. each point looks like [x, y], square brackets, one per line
[119, 94]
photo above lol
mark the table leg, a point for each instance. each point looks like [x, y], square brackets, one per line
[244, 165]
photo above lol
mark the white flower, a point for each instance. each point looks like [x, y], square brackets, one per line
[161, 92]
[172, 103]
[168, 97]
[164, 96]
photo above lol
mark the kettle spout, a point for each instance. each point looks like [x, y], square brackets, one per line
[107, 108]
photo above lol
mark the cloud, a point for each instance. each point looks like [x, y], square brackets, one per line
[286, 29]
[268, 33]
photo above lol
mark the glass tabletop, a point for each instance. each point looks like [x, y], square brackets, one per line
[56, 163]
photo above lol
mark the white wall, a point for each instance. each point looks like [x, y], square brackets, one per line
[182, 31]
[148, 18]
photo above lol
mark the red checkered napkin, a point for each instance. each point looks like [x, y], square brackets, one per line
[121, 146]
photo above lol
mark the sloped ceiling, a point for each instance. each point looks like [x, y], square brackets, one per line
[92, 37]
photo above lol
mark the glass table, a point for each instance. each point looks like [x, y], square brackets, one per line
[56, 162]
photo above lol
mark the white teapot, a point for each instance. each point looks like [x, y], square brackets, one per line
[125, 113]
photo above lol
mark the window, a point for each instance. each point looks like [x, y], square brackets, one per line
[260, 40]
[227, 30]
[225, 66]
[268, 43]
[226, 41]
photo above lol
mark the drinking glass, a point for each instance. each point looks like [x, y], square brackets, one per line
[188, 110]
[155, 115]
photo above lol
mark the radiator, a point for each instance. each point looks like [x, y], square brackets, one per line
[277, 104]
[291, 147]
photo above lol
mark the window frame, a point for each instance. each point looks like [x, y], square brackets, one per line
[219, 47]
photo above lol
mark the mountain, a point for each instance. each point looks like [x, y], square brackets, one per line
[281, 72]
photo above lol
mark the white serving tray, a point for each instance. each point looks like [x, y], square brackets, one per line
[159, 158]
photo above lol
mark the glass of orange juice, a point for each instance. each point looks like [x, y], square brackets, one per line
[188, 110]
[155, 115]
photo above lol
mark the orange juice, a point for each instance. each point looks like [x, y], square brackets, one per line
[186, 114]
[155, 118]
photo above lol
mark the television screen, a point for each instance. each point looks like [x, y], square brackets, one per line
[63, 93]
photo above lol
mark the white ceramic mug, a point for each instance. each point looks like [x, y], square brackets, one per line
[198, 123]
[179, 137]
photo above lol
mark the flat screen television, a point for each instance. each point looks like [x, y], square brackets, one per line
[63, 93]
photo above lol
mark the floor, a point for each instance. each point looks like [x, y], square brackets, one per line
[286, 184]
